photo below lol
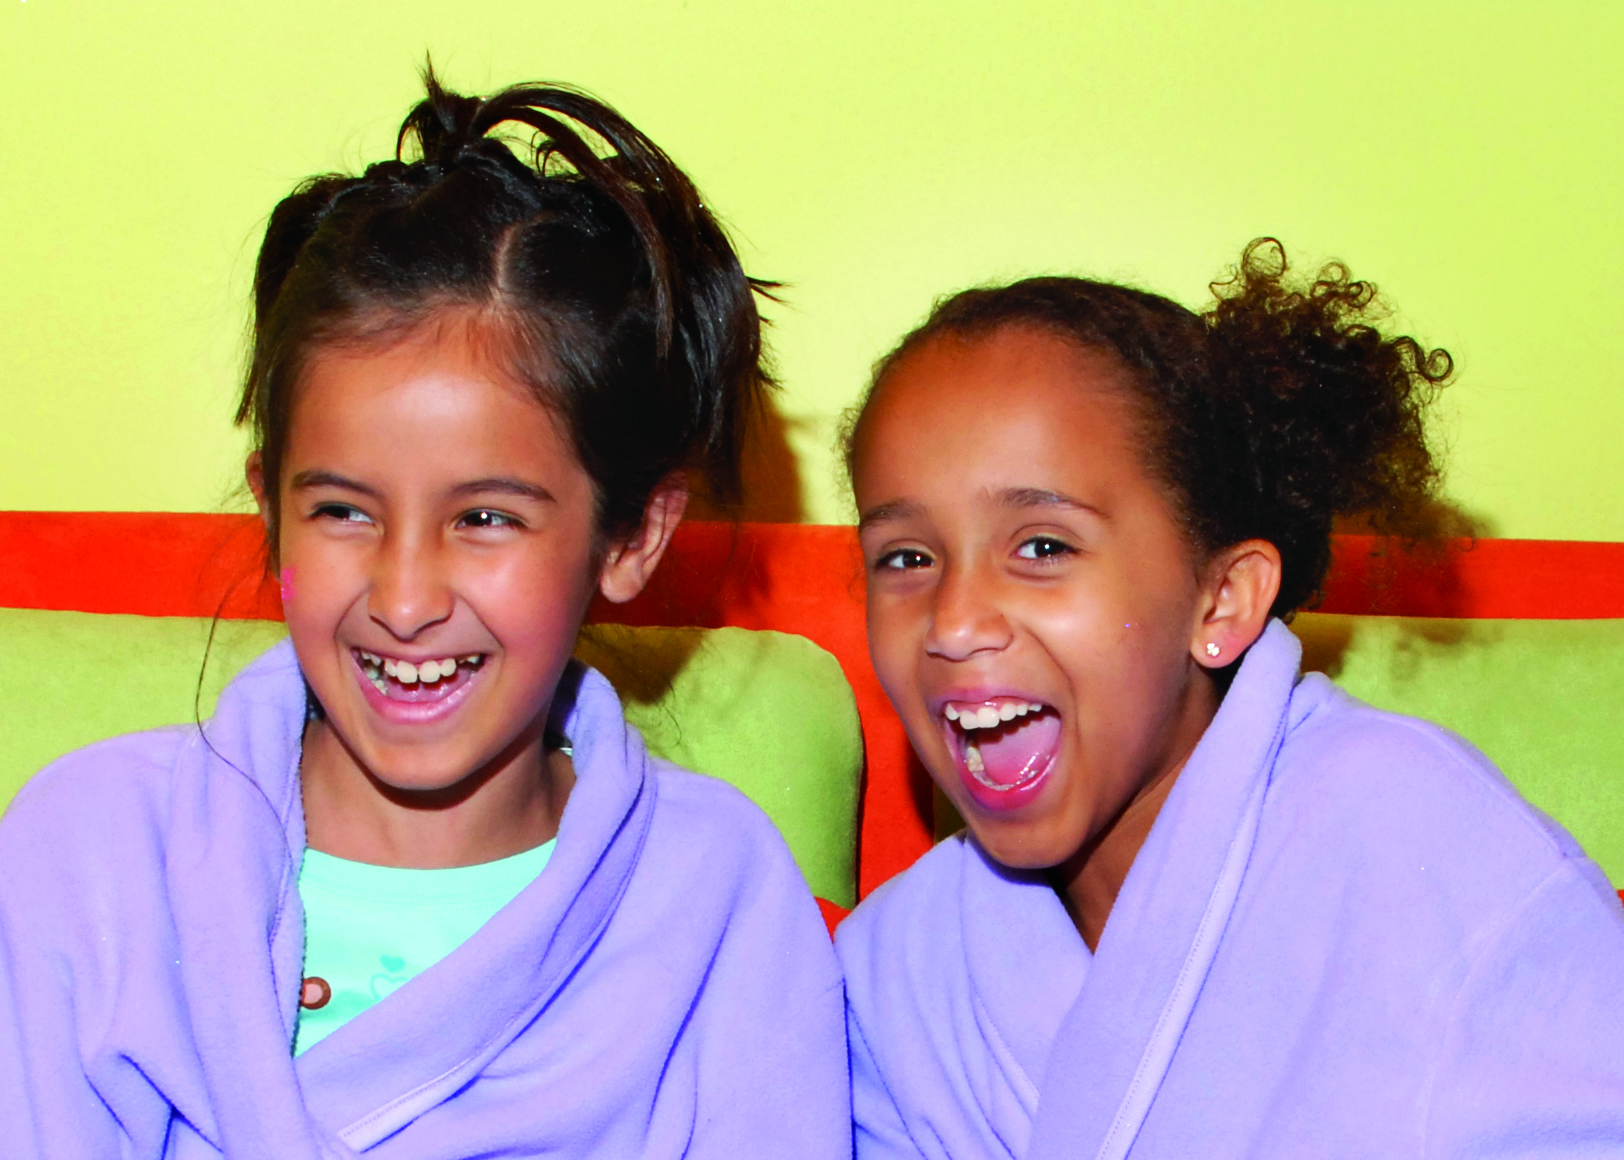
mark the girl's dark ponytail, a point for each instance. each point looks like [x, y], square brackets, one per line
[616, 294]
[703, 305]
[1278, 410]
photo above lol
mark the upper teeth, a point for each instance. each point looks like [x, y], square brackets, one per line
[408, 673]
[986, 716]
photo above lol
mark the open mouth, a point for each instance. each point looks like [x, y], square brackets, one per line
[1002, 744]
[417, 681]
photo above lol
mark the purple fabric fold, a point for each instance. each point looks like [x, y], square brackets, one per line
[1345, 934]
[664, 988]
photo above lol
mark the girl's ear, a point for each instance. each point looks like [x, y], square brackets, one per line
[1242, 583]
[629, 563]
[254, 469]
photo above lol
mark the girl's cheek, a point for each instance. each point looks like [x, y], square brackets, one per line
[286, 584]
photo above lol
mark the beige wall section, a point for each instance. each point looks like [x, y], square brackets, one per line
[870, 154]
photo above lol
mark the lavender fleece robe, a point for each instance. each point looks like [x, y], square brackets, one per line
[664, 988]
[1345, 936]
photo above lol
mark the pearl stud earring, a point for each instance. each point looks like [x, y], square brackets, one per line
[1212, 649]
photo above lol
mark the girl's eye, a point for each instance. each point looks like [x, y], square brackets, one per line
[342, 513]
[485, 518]
[902, 559]
[1044, 548]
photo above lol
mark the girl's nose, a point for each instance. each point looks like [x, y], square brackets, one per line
[967, 619]
[409, 591]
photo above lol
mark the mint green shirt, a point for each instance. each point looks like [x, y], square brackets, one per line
[368, 929]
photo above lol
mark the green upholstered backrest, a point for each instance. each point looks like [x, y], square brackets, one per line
[767, 711]
[1538, 697]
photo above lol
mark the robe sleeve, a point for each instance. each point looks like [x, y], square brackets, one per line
[879, 1130]
[1532, 1058]
[49, 1106]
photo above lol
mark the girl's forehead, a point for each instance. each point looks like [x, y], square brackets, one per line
[1019, 407]
[1012, 354]
[450, 369]
[438, 393]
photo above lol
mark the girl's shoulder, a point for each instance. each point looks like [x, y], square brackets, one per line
[907, 916]
[707, 812]
[715, 858]
[88, 830]
[1379, 781]
[252, 735]
[106, 779]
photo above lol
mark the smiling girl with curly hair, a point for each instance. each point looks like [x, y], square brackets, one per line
[1205, 905]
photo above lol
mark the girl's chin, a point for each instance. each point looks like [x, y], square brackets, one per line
[1018, 847]
[1037, 834]
[408, 781]
[419, 766]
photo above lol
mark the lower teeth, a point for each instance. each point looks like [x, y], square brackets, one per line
[972, 758]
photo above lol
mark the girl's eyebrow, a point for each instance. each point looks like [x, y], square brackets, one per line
[505, 485]
[317, 478]
[896, 509]
[1030, 497]
[501, 485]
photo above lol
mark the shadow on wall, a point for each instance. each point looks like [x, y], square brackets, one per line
[772, 482]
[1328, 640]
[772, 494]
[1395, 576]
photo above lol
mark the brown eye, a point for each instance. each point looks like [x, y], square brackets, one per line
[485, 518]
[903, 559]
[1043, 548]
[341, 513]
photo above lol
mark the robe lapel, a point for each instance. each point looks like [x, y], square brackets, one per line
[427, 1040]
[1115, 1044]
[235, 823]
[1025, 964]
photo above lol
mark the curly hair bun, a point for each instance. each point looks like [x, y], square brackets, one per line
[1318, 415]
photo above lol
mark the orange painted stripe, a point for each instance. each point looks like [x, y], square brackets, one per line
[148, 563]
[1493, 579]
[183, 564]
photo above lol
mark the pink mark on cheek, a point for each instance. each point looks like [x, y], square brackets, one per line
[286, 583]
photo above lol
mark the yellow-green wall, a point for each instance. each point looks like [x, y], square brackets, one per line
[871, 155]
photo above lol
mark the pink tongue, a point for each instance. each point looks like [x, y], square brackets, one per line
[1018, 750]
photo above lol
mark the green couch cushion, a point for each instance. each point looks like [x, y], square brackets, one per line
[767, 711]
[1538, 697]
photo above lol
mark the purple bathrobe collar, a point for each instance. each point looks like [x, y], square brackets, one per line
[1115, 1043]
[1121, 1011]
[528, 948]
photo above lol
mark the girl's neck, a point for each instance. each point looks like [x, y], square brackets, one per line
[511, 805]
